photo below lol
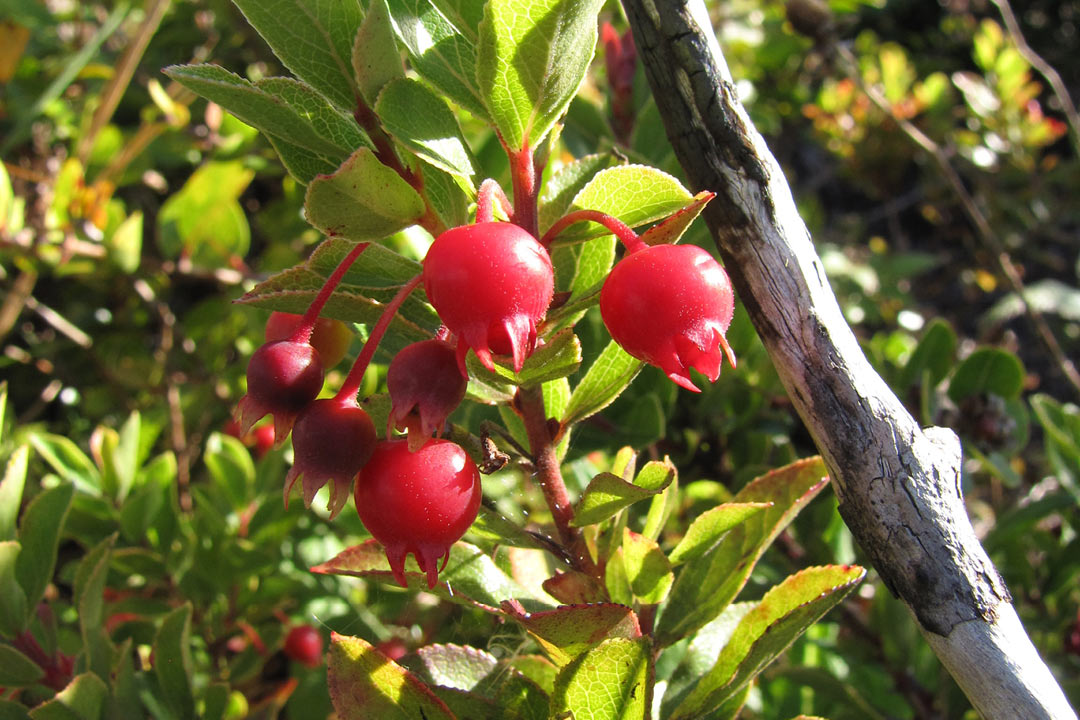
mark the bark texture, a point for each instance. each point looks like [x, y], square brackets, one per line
[898, 484]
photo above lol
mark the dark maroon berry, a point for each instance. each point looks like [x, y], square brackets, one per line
[282, 378]
[425, 386]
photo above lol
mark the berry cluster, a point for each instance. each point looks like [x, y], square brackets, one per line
[491, 284]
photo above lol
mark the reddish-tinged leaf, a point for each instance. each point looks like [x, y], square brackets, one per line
[572, 629]
[364, 684]
[671, 228]
[456, 666]
[575, 588]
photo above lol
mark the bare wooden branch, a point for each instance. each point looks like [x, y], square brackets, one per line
[898, 485]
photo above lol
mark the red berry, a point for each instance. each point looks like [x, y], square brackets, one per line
[418, 502]
[304, 644]
[332, 440]
[491, 284]
[264, 439]
[282, 378]
[670, 306]
[330, 338]
[425, 386]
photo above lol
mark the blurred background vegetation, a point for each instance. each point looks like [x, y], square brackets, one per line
[934, 158]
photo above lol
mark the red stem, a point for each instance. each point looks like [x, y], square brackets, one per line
[302, 334]
[620, 229]
[490, 193]
[356, 374]
[526, 189]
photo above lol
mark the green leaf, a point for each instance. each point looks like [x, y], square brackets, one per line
[647, 568]
[89, 595]
[376, 59]
[558, 193]
[607, 493]
[363, 200]
[83, 699]
[314, 39]
[172, 651]
[11, 489]
[125, 243]
[421, 121]
[17, 711]
[531, 59]
[706, 585]
[446, 195]
[784, 613]
[16, 669]
[257, 108]
[39, 536]
[558, 357]
[613, 681]
[303, 164]
[987, 370]
[231, 468]
[710, 526]
[13, 615]
[575, 588]
[610, 374]
[204, 219]
[442, 49]
[570, 630]
[69, 462]
[328, 122]
[125, 459]
[139, 512]
[932, 357]
[456, 666]
[364, 683]
[473, 578]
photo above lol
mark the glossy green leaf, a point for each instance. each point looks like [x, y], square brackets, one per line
[570, 630]
[67, 460]
[705, 586]
[83, 699]
[172, 650]
[784, 613]
[231, 468]
[11, 489]
[519, 694]
[257, 108]
[456, 666]
[557, 195]
[16, 669]
[558, 357]
[607, 493]
[498, 530]
[376, 59]
[472, 576]
[314, 39]
[624, 670]
[609, 375]
[364, 683]
[204, 219]
[421, 121]
[39, 536]
[442, 49]
[13, 615]
[710, 526]
[932, 357]
[531, 59]
[89, 595]
[647, 568]
[446, 195]
[987, 370]
[363, 200]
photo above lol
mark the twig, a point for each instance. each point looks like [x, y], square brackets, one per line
[1045, 69]
[975, 215]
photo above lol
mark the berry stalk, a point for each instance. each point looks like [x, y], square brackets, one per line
[617, 227]
[356, 374]
[303, 331]
[490, 193]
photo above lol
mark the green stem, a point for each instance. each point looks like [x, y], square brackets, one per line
[356, 375]
[302, 334]
[620, 229]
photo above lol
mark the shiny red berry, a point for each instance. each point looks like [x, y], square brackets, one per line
[304, 644]
[491, 284]
[425, 386]
[332, 439]
[418, 502]
[670, 306]
[330, 338]
[282, 378]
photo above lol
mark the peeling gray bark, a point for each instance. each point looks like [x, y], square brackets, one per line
[898, 484]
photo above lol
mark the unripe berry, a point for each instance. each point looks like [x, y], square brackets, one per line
[330, 338]
[491, 284]
[332, 440]
[282, 378]
[425, 386]
[670, 306]
[418, 502]
[304, 644]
